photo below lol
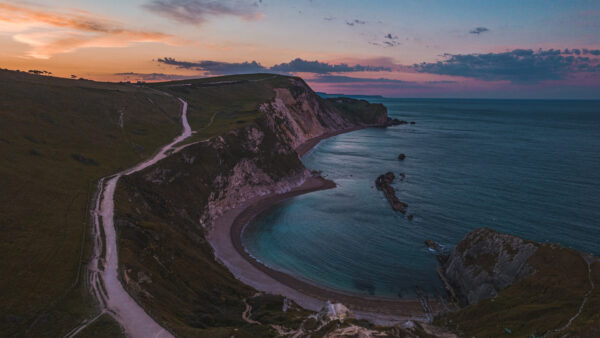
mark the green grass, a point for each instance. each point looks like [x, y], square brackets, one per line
[58, 136]
[232, 105]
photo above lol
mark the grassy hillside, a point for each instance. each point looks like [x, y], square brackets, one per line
[57, 136]
[219, 104]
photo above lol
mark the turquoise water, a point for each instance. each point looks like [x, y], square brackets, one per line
[529, 168]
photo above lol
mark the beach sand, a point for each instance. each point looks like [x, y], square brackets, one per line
[225, 237]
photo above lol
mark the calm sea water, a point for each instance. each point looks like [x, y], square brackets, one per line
[528, 168]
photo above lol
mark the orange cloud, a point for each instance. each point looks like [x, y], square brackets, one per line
[49, 33]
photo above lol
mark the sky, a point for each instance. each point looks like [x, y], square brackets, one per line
[394, 48]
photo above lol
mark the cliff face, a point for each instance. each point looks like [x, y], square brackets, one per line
[510, 285]
[164, 212]
[485, 262]
[297, 114]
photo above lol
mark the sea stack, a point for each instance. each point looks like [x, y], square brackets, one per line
[383, 183]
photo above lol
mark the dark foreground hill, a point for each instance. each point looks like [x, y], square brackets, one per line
[57, 137]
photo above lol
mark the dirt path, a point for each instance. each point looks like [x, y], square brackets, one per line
[246, 314]
[103, 268]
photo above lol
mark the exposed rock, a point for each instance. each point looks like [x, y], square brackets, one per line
[394, 122]
[412, 122]
[383, 183]
[433, 245]
[335, 311]
[401, 176]
[410, 217]
[384, 179]
[401, 157]
[485, 262]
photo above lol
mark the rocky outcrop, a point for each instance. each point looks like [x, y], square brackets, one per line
[484, 262]
[335, 311]
[383, 183]
[394, 122]
[297, 114]
[433, 245]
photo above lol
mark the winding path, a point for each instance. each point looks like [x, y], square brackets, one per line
[103, 269]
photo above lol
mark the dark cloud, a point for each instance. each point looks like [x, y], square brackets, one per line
[441, 82]
[303, 66]
[154, 76]
[295, 66]
[519, 65]
[349, 82]
[340, 79]
[389, 40]
[196, 12]
[216, 67]
[355, 22]
[595, 52]
[479, 30]
[350, 79]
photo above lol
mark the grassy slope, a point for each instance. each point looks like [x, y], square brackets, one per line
[541, 302]
[229, 101]
[57, 136]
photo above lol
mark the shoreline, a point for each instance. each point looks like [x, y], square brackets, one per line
[225, 238]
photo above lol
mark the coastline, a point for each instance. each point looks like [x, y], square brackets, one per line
[225, 238]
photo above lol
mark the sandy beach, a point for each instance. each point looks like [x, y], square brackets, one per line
[225, 238]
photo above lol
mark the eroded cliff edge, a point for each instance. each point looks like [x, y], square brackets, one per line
[164, 213]
[508, 285]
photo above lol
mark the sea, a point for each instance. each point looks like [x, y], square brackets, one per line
[530, 168]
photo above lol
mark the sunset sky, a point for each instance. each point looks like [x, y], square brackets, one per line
[495, 49]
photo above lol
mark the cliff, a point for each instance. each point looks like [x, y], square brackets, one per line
[485, 262]
[164, 213]
[508, 285]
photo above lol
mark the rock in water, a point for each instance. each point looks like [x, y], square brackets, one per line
[401, 157]
[485, 262]
[433, 245]
[394, 122]
[383, 183]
